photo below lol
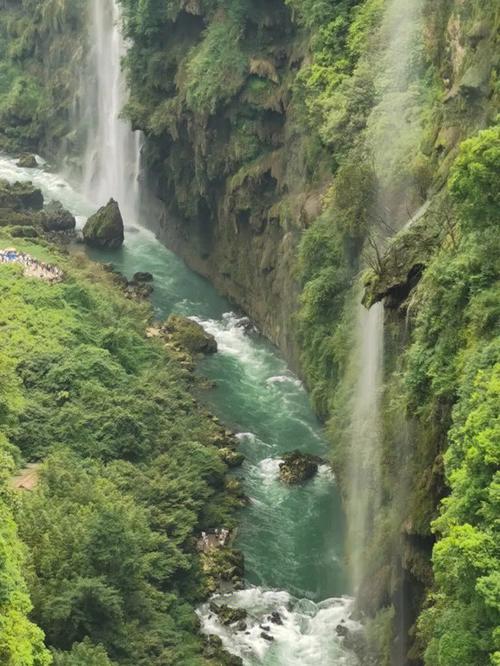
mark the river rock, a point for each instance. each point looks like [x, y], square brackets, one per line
[228, 615]
[267, 637]
[142, 276]
[275, 618]
[105, 228]
[298, 467]
[189, 335]
[230, 457]
[56, 218]
[27, 161]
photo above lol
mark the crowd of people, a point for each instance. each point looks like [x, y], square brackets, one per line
[216, 539]
[32, 267]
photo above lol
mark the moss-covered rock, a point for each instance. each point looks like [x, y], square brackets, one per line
[189, 335]
[298, 467]
[231, 458]
[223, 568]
[27, 161]
[56, 218]
[214, 650]
[228, 615]
[105, 228]
[404, 261]
[20, 196]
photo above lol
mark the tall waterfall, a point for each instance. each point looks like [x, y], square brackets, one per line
[365, 436]
[112, 155]
[395, 132]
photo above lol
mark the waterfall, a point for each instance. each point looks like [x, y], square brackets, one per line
[394, 132]
[365, 436]
[112, 153]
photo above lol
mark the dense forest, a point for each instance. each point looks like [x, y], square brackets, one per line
[310, 156]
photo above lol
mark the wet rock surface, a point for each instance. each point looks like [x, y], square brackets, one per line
[105, 228]
[56, 218]
[27, 161]
[189, 334]
[228, 615]
[298, 467]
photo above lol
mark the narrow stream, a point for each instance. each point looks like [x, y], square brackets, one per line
[292, 538]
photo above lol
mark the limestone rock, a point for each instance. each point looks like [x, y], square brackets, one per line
[404, 262]
[142, 276]
[20, 196]
[230, 457]
[298, 467]
[56, 218]
[189, 335]
[105, 228]
[228, 615]
[27, 161]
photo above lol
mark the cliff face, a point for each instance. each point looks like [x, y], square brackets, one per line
[211, 86]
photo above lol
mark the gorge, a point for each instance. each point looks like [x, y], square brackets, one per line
[304, 157]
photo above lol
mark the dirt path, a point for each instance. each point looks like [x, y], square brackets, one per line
[27, 478]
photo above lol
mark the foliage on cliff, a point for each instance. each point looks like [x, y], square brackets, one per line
[130, 475]
[40, 53]
[455, 359]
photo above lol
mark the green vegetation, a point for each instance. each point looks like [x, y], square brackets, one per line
[455, 359]
[40, 53]
[131, 474]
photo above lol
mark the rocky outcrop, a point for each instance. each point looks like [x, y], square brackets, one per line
[214, 651]
[189, 335]
[56, 218]
[228, 615]
[105, 228]
[27, 161]
[223, 569]
[298, 467]
[22, 210]
[402, 265]
[20, 196]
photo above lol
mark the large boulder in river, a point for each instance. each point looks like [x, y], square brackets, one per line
[189, 335]
[27, 161]
[105, 228]
[56, 218]
[228, 615]
[298, 467]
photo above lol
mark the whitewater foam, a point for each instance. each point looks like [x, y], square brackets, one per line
[304, 635]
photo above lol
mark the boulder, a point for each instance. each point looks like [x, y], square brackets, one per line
[228, 615]
[190, 335]
[276, 618]
[20, 196]
[298, 467]
[142, 276]
[56, 218]
[105, 228]
[230, 457]
[27, 161]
